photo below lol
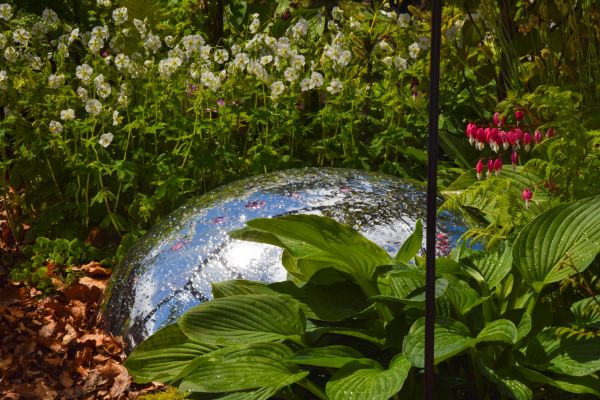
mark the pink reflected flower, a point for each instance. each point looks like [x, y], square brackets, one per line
[255, 204]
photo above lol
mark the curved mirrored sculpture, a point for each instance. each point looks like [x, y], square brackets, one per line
[171, 268]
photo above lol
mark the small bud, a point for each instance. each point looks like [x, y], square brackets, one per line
[479, 169]
[526, 140]
[537, 137]
[497, 119]
[514, 159]
[526, 195]
[550, 132]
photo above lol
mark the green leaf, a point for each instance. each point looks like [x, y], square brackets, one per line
[239, 287]
[508, 385]
[587, 312]
[259, 394]
[559, 242]
[329, 356]
[524, 326]
[411, 247]
[494, 266]
[320, 239]
[360, 381]
[500, 330]
[572, 384]
[334, 302]
[243, 367]
[164, 355]
[462, 296]
[244, 319]
[417, 297]
[451, 338]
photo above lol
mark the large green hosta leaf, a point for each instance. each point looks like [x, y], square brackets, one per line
[573, 384]
[452, 338]
[243, 367]
[559, 242]
[494, 266]
[565, 351]
[164, 355]
[241, 319]
[329, 356]
[319, 239]
[365, 381]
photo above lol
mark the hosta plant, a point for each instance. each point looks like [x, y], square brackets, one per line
[349, 323]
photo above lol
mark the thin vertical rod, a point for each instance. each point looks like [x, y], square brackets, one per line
[434, 92]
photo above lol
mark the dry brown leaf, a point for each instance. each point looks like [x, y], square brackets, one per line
[71, 334]
[89, 339]
[95, 269]
[66, 380]
[48, 329]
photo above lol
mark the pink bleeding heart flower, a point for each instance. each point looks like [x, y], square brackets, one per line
[518, 136]
[490, 167]
[479, 169]
[526, 140]
[504, 139]
[550, 132]
[537, 136]
[512, 139]
[519, 115]
[526, 195]
[497, 166]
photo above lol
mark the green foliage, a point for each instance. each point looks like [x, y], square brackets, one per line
[351, 323]
[52, 258]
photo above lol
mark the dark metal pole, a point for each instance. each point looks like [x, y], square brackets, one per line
[434, 92]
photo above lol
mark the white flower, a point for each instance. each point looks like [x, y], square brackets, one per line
[400, 63]
[168, 66]
[11, 54]
[3, 80]
[169, 41]
[103, 3]
[297, 61]
[404, 20]
[336, 53]
[337, 14]
[82, 93]
[205, 52]
[55, 127]
[354, 24]
[106, 139]
[223, 74]
[277, 88]
[299, 30]
[100, 31]
[335, 86]
[5, 11]
[99, 80]
[385, 46]
[316, 80]
[121, 61]
[192, 43]
[3, 41]
[35, 62]
[67, 115]
[140, 26]
[84, 72]
[96, 43]
[73, 35]
[62, 50]
[255, 24]
[424, 42]
[240, 61]
[49, 17]
[290, 74]
[264, 60]
[103, 90]
[152, 42]
[220, 56]
[119, 15]
[305, 84]
[21, 36]
[116, 120]
[210, 81]
[387, 61]
[93, 106]
[413, 50]
[55, 81]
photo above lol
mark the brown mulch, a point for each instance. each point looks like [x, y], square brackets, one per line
[55, 348]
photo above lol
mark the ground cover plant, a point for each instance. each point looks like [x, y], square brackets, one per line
[113, 113]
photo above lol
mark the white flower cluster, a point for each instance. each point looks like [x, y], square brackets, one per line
[55, 81]
[192, 43]
[98, 36]
[338, 55]
[152, 42]
[103, 88]
[255, 24]
[67, 115]
[315, 81]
